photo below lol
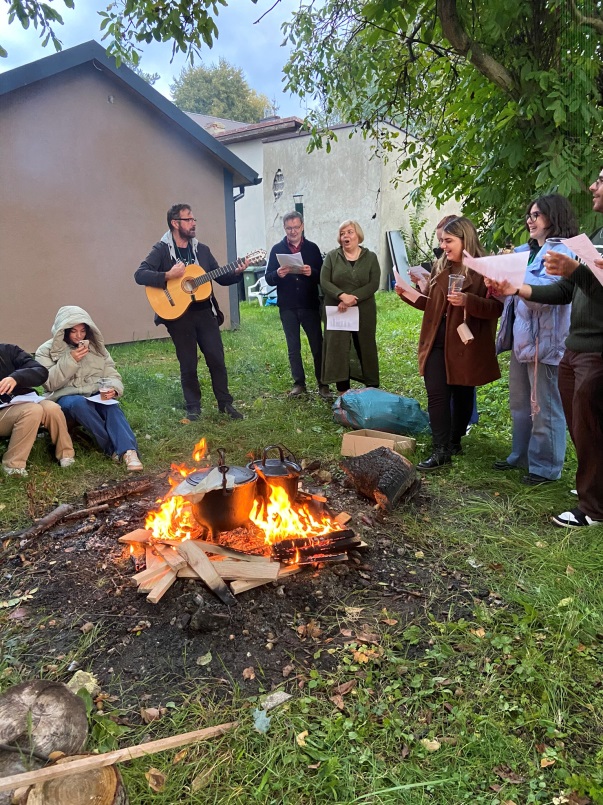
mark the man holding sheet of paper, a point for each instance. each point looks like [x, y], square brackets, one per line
[350, 278]
[581, 368]
[294, 268]
[19, 372]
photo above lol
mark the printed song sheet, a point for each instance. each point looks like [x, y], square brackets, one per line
[585, 250]
[32, 397]
[97, 399]
[294, 262]
[348, 320]
[499, 267]
[409, 292]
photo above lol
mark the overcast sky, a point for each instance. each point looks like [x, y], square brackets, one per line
[256, 48]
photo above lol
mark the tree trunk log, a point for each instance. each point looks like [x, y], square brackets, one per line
[383, 475]
[46, 522]
[116, 491]
[102, 786]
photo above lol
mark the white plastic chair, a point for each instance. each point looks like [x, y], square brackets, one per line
[262, 292]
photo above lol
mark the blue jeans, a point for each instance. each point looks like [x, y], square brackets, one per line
[539, 441]
[106, 423]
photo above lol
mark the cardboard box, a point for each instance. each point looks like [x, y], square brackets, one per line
[358, 442]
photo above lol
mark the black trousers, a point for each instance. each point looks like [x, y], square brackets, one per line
[199, 327]
[308, 319]
[448, 422]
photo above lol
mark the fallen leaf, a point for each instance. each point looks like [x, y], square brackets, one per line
[314, 765]
[569, 570]
[547, 761]
[405, 751]
[156, 779]
[202, 780]
[481, 632]
[431, 746]
[19, 614]
[508, 802]
[345, 687]
[288, 670]
[509, 776]
[353, 612]
[495, 787]
[301, 738]
[419, 555]
[337, 700]
[204, 659]
[389, 621]
[367, 637]
[249, 673]
[565, 602]
[345, 632]
[149, 714]
[541, 544]
[179, 757]
[87, 627]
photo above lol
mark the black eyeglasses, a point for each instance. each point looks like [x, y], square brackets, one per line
[533, 216]
[185, 219]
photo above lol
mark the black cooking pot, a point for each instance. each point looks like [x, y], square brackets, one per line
[282, 471]
[225, 509]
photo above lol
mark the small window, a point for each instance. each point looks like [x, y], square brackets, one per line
[278, 184]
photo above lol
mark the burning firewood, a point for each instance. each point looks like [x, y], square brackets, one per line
[130, 486]
[383, 476]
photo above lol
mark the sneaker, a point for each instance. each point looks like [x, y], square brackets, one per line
[297, 390]
[68, 461]
[575, 519]
[15, 470]
[231, 411]
[115, 457]
[531, 479]
[131, 460]
[503, 464]
[325, 392]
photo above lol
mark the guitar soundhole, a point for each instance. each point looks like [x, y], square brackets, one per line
[187, 285]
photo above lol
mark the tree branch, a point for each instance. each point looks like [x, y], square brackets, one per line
[594, 22]
[454, 32]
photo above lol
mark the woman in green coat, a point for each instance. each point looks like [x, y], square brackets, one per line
[350, 277]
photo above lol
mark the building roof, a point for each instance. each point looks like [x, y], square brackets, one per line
[233, 131]
[92, 52]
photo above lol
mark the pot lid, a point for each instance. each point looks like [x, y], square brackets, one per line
[281, 466]
[240, 475]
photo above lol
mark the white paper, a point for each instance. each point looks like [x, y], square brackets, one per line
[409, 292]
[348, 320]
[31, 397]
[500, 267]
[97, 399]
[584, 248]
[294, 262]
[212, 481]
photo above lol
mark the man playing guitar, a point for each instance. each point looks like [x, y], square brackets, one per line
[200, 321]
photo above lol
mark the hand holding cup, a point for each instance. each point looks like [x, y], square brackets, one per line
[106, 391]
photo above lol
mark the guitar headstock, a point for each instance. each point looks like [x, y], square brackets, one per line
[257, 257]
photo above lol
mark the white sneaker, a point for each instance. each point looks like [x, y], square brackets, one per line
[131, 460]
[15, 470]
[68, 461]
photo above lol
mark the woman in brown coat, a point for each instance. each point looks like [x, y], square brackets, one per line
[451, 365]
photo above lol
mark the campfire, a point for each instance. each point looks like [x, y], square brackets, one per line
[218, 525]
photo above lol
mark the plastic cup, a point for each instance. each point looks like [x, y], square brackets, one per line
[104, 389]
[455, 283]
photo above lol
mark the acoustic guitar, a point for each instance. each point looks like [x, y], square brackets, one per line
[194, 286]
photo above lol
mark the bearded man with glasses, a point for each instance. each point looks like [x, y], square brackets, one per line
[200, 323]
[298, 300]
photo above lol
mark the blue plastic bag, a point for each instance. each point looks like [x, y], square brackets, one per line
[380, 410]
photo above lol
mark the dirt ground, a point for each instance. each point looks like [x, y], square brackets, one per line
[78, 575]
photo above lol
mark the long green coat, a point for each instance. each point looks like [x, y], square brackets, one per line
[340, 358]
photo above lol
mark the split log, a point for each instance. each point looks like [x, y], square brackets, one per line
[242, 586]
[229, 569]
[221, 550]
[171, 556]
[107, 759]
[130, 486]
[139, 535]
[161, 586]
[383, 476]
[46, 522]
[343, 518]
[150, 575]
[101, 786]
[205, 569]
[287, 546]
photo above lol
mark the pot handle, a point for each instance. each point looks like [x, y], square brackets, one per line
[282, 450]
[222, 466]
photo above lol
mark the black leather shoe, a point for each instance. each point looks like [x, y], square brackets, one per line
[503, 464]
[439, 458]
[231, 411]
[193, 416]
[455, 449]
[531, 479]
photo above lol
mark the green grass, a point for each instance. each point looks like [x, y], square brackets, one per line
[509, 682]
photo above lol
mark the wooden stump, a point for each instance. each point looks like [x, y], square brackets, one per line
[384, 476]
[39, 717]
[101, 786]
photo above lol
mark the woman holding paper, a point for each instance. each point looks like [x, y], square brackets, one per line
[456, 344]
[535, 334]
[79, 367]
[350, 277]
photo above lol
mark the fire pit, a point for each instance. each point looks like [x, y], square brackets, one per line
[234, 529]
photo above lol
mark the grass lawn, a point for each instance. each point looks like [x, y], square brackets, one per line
[499, 702]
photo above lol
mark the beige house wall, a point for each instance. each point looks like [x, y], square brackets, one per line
[87, 173]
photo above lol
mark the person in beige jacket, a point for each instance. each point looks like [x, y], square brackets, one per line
[79, 367]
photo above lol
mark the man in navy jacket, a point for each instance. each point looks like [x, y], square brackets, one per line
[298, 300]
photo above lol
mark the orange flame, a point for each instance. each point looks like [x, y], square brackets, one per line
[281, 520]
[200, 450]
[174, 520]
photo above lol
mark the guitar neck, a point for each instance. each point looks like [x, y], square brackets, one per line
[217, 272]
